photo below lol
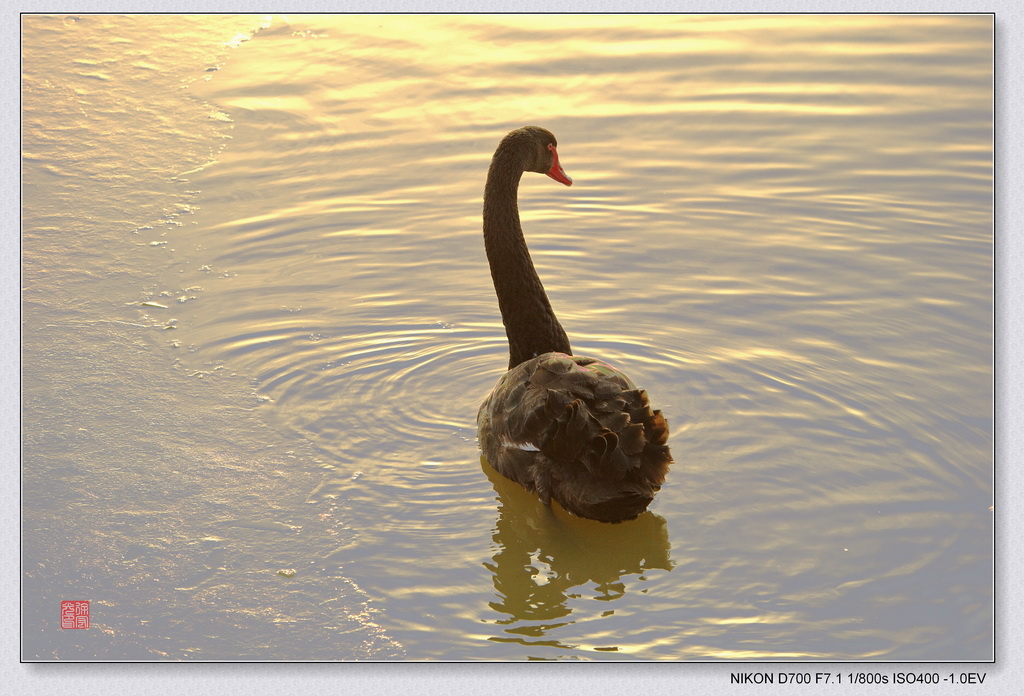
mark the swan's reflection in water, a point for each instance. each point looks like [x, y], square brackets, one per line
[546, 558]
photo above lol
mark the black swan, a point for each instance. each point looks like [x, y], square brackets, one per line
[571, 428]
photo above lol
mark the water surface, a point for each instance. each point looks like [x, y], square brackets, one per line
[259, 322]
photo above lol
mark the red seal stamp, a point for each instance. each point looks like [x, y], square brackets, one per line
[74, 614]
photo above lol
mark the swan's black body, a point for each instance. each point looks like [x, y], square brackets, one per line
[574, 429]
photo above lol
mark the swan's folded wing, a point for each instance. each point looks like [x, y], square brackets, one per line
[579, 430]
[593, 416]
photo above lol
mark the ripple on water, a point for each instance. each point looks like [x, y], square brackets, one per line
[814, 331]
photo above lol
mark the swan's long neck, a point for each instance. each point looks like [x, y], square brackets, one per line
[530, 324]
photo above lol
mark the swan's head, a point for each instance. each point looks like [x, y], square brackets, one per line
[540, 150]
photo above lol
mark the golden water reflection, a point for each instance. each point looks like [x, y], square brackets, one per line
[545, 556]
[781, 226]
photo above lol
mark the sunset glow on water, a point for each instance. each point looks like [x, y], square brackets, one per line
[258, 324]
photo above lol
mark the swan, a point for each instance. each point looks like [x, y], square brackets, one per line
[571, 428]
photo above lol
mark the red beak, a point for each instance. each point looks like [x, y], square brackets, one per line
[556, 172]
